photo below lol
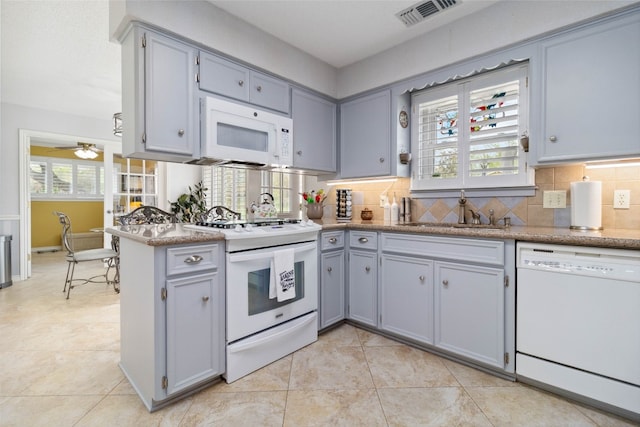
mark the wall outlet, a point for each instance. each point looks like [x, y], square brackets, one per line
[383, 200]
[621, 199]
[556, 199]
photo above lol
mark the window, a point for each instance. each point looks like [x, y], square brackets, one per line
[468, 132]
[236, 188]
[227, 187]
[66, 178]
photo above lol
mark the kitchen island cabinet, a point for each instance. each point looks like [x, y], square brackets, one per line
[590, 84]
[172, 312]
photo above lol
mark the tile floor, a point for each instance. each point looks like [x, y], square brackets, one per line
[59, 367]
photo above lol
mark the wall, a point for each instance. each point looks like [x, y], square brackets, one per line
[46, 228]
[522, 210]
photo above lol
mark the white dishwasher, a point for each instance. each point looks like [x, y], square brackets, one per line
[578, 323]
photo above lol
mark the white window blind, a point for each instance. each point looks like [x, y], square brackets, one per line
[468, 132]
[227, 187]
[66, 178]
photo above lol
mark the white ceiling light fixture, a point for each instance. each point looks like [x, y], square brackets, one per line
[85, 153]
[117, 124]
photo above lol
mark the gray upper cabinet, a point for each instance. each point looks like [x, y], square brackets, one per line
[314, 132]
[159, 107]
[365, 136]
[224, 77]
[590, 86]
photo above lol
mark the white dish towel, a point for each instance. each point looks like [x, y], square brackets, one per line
[282, 284]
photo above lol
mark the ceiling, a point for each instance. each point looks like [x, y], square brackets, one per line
[56, 54]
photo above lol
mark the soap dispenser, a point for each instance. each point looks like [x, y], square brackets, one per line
[394, 211]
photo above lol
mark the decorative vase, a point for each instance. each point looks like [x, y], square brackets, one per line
[314, 210]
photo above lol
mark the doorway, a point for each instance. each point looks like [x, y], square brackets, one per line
[28, 138]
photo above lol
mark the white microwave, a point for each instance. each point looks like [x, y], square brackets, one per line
[236, 134]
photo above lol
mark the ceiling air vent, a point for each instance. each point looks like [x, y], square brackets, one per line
[419, 11]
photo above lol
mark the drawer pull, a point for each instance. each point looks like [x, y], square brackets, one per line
[445, 282]
[367, 269]
[180, 132]
[333, 240]
[240, 83]
[193, 259]
[259, 88]
[363, 240]
[329, 269]
[205, 298]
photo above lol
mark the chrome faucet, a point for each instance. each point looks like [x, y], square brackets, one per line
[475, 217]
[461, 203]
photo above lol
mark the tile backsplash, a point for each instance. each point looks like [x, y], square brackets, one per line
[522, 210]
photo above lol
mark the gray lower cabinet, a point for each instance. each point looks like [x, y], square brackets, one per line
[314, 132]
[469, 311]
[406, 292]
[363, 278]
[172, 318]
[159, 103]
[332, 279]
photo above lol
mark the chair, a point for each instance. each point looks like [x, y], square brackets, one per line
[219, 213]
[147, 215]
[74, 257]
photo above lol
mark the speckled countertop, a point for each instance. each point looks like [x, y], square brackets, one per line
[163, 234]
[175, 234]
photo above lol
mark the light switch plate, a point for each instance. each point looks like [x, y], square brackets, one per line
[621, 199]
[556, 199]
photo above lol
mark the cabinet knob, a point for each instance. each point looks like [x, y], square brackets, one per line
[381, 159]
[367, 269]
[299, 152]
[205, 298]
[421, 277]
[180, 132]
[553, 138]
[329, 269]
[333, 240]
[240, 83]
[363, 240]
[193, 259]
[445, 282]
[259, 88]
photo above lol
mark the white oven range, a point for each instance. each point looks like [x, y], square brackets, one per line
[261, 330]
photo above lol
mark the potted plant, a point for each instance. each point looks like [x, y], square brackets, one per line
[192, 205]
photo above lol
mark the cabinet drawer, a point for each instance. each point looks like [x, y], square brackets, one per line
[458, 249]
[192, 259]
[363, 240]
[227, 78]
[332, 240]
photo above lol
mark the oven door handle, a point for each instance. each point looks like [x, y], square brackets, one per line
[248, 256]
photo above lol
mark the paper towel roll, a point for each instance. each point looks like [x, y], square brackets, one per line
[586, 205]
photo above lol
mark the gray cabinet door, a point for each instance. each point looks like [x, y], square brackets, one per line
[171, 113]
[314, 132]
[363, 287]
[406, 306]
[591, 85]
[469, 311]
[365, 136]
[227, 78]
[195, 332]
[332, 277]
[270, 92]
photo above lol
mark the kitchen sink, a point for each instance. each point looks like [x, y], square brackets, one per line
[455, 225]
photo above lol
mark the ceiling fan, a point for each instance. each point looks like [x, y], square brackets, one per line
[84, 150]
